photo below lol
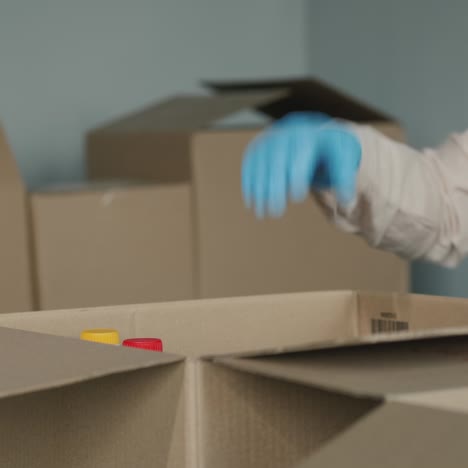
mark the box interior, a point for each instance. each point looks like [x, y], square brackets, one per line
[269, 410]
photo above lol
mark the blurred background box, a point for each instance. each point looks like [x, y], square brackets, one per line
[112, 244]
[15, 272]
[180, 140]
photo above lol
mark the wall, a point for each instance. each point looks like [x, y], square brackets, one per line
[408, 57]
[67, 66]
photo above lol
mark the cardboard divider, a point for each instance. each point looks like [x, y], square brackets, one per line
[67, 402]
[453, 399]
[399, 435]
[372, 370]
[124, 420]
[45, 361]
[252, 421]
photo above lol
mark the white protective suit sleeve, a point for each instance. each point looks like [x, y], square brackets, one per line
[412, 203]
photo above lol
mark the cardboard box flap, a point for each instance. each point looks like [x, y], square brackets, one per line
[398, 435]
[189, 112]
[453, 399]
[30, 362]
[308, 94]
[356, 340]
[375, 371]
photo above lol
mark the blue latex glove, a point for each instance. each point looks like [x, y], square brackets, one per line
[299, 153]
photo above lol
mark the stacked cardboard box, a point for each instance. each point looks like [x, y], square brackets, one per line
[192, 232]
[15, 269]
[254, 382]
[101, 244]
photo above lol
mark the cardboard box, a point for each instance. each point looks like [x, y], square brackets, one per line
[248, 382]
[15, 272]
[235, 254]
[101, 244]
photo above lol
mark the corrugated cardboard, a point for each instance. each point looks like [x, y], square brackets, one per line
[399, 436]
[117, 244]
[272, 381]
[15, 275]
[309, 94]
[234, 254]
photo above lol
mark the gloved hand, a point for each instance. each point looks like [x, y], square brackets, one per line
[299, 153]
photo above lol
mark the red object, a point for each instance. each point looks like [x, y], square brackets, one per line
[150, 344]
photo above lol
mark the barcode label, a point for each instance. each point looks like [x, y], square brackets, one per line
[388, 326]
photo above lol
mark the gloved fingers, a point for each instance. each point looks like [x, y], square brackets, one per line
[247, 175]
[266, 167]
[260, 179]
[278, 162]
[253, 168]
[292, 156]
[343, 155]
[303, 164]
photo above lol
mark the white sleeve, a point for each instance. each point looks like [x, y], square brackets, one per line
[412, 203]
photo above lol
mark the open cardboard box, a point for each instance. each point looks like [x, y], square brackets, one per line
[271, 381]
[15, 267]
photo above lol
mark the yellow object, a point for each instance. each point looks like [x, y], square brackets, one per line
[101, 335]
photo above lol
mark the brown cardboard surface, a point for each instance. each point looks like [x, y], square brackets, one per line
[253, 422]
[120, 245]
[304, 94]
[213, 326]
[398, 435]
[232, 326]
[122, 420]
[136, 155]
[380, 313]
[371, 371]
[153, 144]
[15, 275]
[453, 399]
[80, 404]
[190, 112]
[264, 411]
[44, 361]
[233, 253]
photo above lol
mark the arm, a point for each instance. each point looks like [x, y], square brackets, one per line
[412, 203]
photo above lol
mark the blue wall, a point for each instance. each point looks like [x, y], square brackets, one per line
[68, 65]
